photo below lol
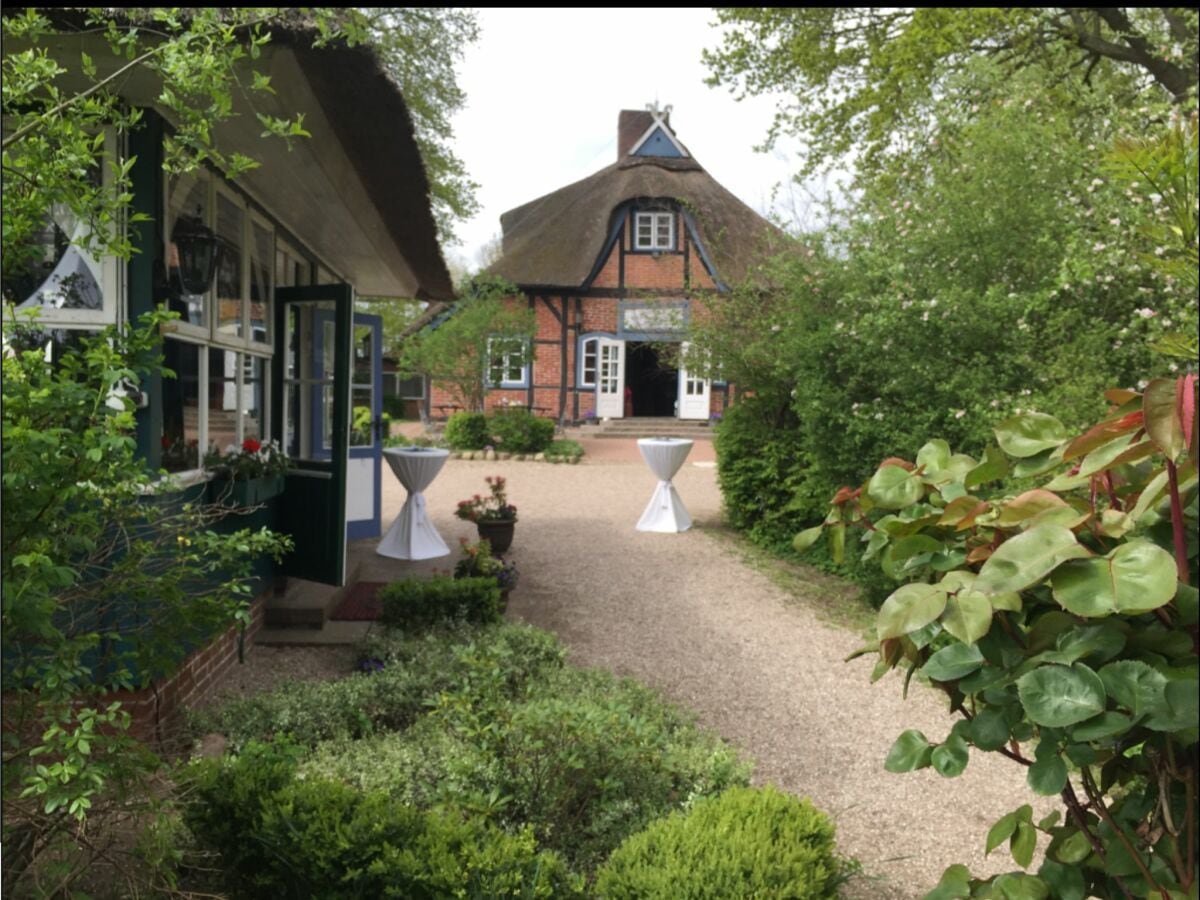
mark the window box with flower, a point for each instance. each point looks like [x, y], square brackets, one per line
[246, 476]
[494, 516]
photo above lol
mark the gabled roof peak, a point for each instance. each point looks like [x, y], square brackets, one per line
[648, 133]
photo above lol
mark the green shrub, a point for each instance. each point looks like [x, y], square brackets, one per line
[762, 474]
[417, 603]
[283, 837]
[517, 430]
[564, 449]
[467, 431]
[394, 407]
[746, 842]
[416, 670]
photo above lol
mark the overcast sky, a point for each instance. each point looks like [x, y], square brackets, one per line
[544, 87]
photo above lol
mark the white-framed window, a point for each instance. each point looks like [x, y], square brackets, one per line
[654, 231]
[235, 307]
[220, 348]
[508, 362]
[68, 285]
[589, 357]
[217, 398]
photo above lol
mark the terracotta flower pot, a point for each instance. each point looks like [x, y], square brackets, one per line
[498, 534]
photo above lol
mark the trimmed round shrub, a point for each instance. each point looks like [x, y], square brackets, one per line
[467, 431]
[745, 842]
[517, 430]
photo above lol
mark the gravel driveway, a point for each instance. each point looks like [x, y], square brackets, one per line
[686, 614]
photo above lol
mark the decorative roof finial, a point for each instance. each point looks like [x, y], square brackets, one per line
[659, 115]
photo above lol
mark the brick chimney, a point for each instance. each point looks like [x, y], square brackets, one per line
[631, 125]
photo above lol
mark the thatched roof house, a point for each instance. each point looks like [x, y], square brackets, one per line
[616, 265]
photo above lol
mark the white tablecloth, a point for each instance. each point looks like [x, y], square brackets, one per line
[665, 512]
[412, 535]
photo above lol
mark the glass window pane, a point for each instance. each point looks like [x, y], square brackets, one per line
[253, 400]
[362, 431]
[188, 212]
[229, 269]
[222, 399]
[260, 284]
[181, 407]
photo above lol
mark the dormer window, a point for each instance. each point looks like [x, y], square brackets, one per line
[654, 231]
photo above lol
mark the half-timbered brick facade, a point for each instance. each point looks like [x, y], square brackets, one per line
[615, 267]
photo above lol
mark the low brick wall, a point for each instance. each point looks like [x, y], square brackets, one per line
[158, 708]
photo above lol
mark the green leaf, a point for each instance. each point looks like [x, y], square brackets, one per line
[1066, 881]
[837, 543]
[1056, 696]
[955, 884]
[1037, 465]
[993, 467]
[1048, 775]
[1107, 725]
[1136, 577]
[1005, 827]
[1134, 685]
[950, 758]
[989, 729]
[807, 538]
[908, 608]
[1028, 558]
[953, 662]
[1019, 886]
[1023, 844]
[968, 615]
[904, 549]
[1180, 711]
[1163, 424]
[1187, 602]
[1074, 849]
[934, 456]
[911, 751]
[1097, 643]
[1030, 434]
[894, 487]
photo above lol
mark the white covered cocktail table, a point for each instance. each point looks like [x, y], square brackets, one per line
[665, 512]
[412, 535]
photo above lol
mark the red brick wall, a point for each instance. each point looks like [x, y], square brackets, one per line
[609, 275]
[157, 709]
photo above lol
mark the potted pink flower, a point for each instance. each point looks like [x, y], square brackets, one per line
[493, 515]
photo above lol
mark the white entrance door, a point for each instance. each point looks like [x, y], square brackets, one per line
[610, 379]
[693, 393]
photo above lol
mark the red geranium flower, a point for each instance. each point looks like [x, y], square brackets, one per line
[250, 445]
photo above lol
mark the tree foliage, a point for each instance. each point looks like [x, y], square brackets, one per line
[455, 349]
[858, 79]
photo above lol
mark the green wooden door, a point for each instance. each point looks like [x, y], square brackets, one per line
[311, 420]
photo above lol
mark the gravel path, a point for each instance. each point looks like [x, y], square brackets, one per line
[686, 614]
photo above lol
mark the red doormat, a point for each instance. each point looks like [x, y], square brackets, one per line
[361, 603]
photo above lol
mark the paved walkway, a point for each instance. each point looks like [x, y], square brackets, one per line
[685, 614]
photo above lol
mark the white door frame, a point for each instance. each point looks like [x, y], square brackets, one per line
[610, 378]
[694, 392]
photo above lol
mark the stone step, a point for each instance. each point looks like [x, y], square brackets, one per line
[633, 435]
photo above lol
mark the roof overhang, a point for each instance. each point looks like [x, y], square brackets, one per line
[355, 192]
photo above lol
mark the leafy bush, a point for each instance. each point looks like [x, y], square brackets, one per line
[416, 603]
[582, 758]
[761, 471]
[746, 842]
[467, 431]
[565, 450]
[1061, 623]
[517, 430]
[282, 837]
[416, 670]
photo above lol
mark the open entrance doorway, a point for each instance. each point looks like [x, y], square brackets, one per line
[653, 384]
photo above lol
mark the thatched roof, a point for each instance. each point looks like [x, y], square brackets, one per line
[370, 121]
[554, 241]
